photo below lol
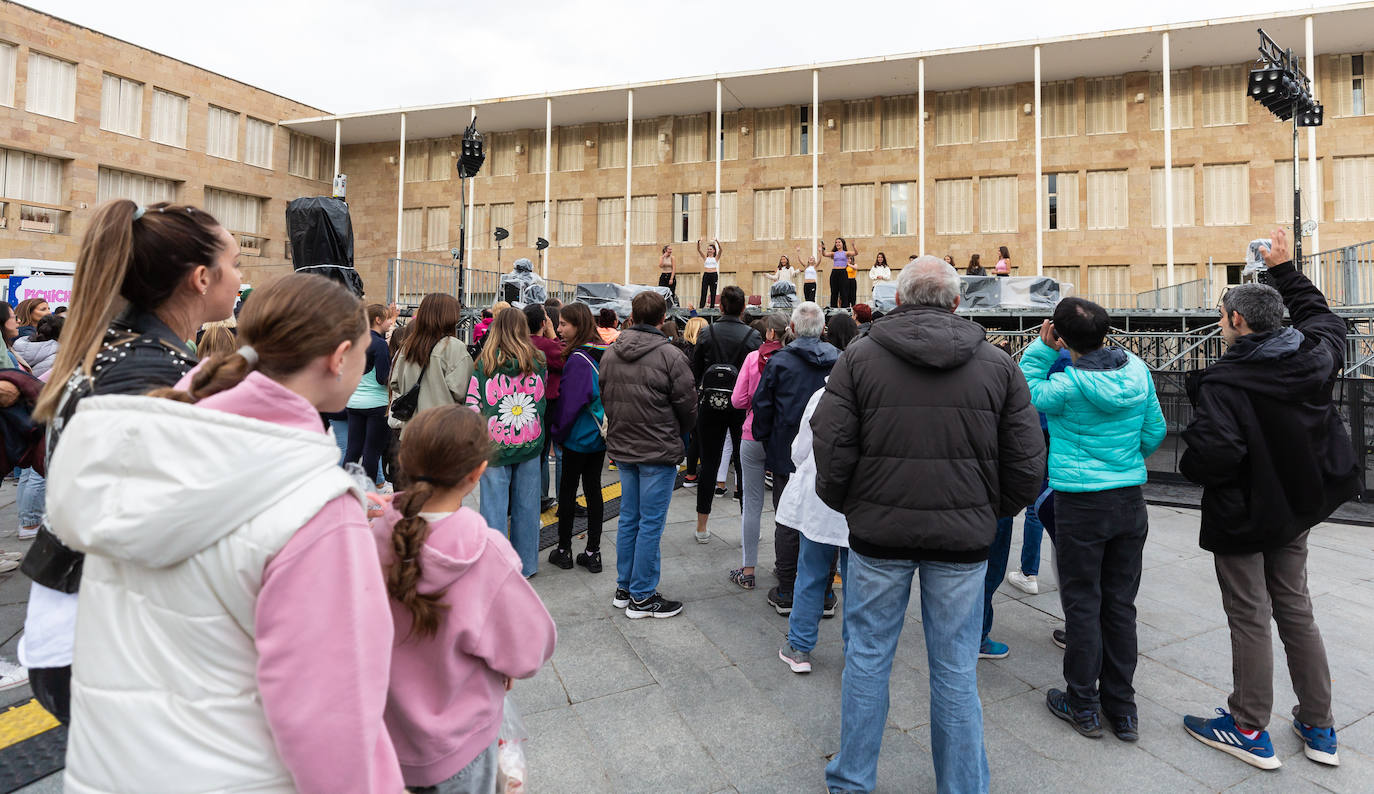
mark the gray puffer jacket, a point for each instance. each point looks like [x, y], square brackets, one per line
[925, 437]
[40, 356]
[649, 395]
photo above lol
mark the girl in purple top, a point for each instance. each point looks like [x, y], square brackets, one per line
[839, 274]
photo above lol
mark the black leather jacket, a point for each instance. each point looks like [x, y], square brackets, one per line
[139, 354]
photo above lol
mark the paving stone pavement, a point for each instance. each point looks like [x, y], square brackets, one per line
[700, 702]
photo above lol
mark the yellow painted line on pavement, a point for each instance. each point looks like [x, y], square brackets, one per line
[608, 492]
[24, 721]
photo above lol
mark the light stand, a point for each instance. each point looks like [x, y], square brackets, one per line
[500, 234]
[540, 244]
[469, 163]
[1281, 86]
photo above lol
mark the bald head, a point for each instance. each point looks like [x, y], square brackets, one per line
[928, 281]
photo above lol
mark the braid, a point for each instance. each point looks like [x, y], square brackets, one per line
[403, 575]
[218, 374]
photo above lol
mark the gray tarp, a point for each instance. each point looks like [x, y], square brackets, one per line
[600, 295]
[522, 284]
[782, 295]
[986, 292]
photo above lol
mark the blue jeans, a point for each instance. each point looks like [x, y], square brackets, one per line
[340, 429]
[876, 597]
[514, 490]
[808, 591]
[32, 497]
[645, 490]
[1032, 532]
[997, 568]
[544, 481]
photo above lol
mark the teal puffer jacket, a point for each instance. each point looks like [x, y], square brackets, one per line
[1103, 414]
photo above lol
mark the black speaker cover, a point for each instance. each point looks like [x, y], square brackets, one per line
[322, 239]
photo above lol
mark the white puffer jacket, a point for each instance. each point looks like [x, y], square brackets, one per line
[179, 509]
[799, 507]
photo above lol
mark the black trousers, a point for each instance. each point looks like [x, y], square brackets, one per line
[708, 282]
[582, 468]
[839, 287]
[851, 291]
[711, 427]
[809, 291]
[667, 280]
[52, 688]
[693, 452]
[1100, 539]
[367, 438]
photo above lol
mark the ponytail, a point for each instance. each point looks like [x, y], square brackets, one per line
[403, 574]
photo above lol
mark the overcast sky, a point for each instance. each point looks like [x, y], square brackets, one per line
[352, 55]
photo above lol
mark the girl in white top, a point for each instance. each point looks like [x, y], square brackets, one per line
[808, 277]
[880, 271]
[667, 271]
[710, 266]
[784, 271]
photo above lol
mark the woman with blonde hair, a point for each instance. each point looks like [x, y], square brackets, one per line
[690, 334]
[507, 389]
[218, 338]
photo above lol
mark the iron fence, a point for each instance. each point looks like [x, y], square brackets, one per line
[409, 280]
[1195, 294]
[1345, 275]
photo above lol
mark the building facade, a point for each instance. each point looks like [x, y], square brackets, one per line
[1056, 149]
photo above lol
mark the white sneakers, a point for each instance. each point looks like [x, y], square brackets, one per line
[12, 676]
[1026, 584]
[28, 533]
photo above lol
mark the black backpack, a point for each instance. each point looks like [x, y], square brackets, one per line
[718, 381]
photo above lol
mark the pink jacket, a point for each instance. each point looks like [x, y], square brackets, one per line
[745, 385]
[322, 628]
[445, 702]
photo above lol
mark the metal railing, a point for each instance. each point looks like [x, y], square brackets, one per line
[1194, 294]
[409, 280]
[1345, 275]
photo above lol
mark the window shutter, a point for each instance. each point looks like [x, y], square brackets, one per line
[1354, 188]
[856, 134]
[535, 152]
[953, 120]
[51, 87]
[1342, 82]
[610, 149]
[1107, 200]
[729, 216]
[644, 219]
[856, 210]
[242, 213]
[571, 143]
[1106, 107]
[478, 231]
[899, 122]
[169, 118]
[436, 229]
[534, 222]
[770, 214]
[897, 207]
[222, 133]
[501, 153]
[689, 139]
[997, 204]
[801, 213]
[997, 113]
[258, 144]
[953, 206]
[143, 190]
[502, 215]
[1283, 191]
[770, 135]
[644, 148]
[9, 58]
[610, 221]
[417, 161]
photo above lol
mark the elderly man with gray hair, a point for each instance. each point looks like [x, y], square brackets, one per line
[789, 379]
[924, 438]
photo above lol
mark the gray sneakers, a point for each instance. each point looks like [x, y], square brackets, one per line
[799, 661]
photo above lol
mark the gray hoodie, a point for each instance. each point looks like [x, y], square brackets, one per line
[38, 355]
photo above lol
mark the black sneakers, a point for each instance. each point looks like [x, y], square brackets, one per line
[591, 560]
[562, 558]
[621, 599]
[655, 606]
[828, 611]
[1126, 728]
[1060, 638]
[1085, 721]
[782, 602]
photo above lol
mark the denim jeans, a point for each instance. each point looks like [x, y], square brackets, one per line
[514, 490]
[997, 568]
[645, 490]
[815, 562]
[876, 597]
[544, 481]
[1032, 532]
[340, 430]
[751, 459]
[32, 497]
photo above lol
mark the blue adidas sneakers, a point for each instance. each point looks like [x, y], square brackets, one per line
[1222, 733]
[1319, 744]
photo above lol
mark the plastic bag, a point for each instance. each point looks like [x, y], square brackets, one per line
[512, 774]
[372, 503]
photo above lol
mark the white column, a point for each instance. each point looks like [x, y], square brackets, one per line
[921, 152]
[629, 169]
[1317, 210]
[815, 132]
[1039, 186]
[400, 208]
[1168, 167]
[548, 166]
[338, 148]
[467, 225]
[716, 213]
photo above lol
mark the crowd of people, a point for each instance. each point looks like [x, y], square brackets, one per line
[179, 625]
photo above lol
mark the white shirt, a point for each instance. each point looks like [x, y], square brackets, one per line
[711, 265]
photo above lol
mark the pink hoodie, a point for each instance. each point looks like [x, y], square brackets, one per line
[447, 691]
[322, 628]
[746, 383]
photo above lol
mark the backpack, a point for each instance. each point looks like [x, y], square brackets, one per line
[588, 433]
[718, 381]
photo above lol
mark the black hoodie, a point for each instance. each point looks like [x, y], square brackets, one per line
[1266, 441]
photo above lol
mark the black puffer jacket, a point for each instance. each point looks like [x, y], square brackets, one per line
[1266, 442]
[649, 397]
[925, 437]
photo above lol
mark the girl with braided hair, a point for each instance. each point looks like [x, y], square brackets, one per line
[466, 621]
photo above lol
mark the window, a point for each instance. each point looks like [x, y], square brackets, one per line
[801, 212]
[1226, 195]
[503, 217]
[644, 220]
[1224, 95]
[121, 105]
[1180, 99]
[1110, 286]
[51, 87]
[1183, 196]
[1065, 276]
[309, 157]
[222, 133]
[1107, 200]
[31, 177]
[770, 134]
[644, 148]
[729, 136]
[856, 210]
[686, 217]
[1058, 109]
[441, 159]
[571, 142]
[1283, 191]
[1106, 106]
[9, 56]
[1182, 274]
[997, 204]
[610, 149]
[1060, 208]
[1354, 188]
[689, 138]
[500, 149]
[1350, 76]
[997, 113]
[953, 118]
[806, 137]
[856, 134]
[899, 122]
[257, 149]
[412, 228]
[953, 206]
[238, 212]
[142, 190]
[168, 122]
[417, 161]
[536, 151]
[534, 222]
[436, 229]
[610, 221]
[899, 207]
[478, 230]
[729, 216]
[770, 214]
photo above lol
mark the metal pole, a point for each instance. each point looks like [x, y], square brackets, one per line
[921, 153]
[815, 136]
[1039, 187]
[629, 169]
[464, 243]
[1297, 194]
[400, 204]
[338, 147]
[718, 156]
[1168, 168]
[1312, 172]
[548, 164]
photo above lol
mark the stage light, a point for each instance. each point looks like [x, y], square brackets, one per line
[540, 244]
[470, 161]
[501, 233]
[1280, 85]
